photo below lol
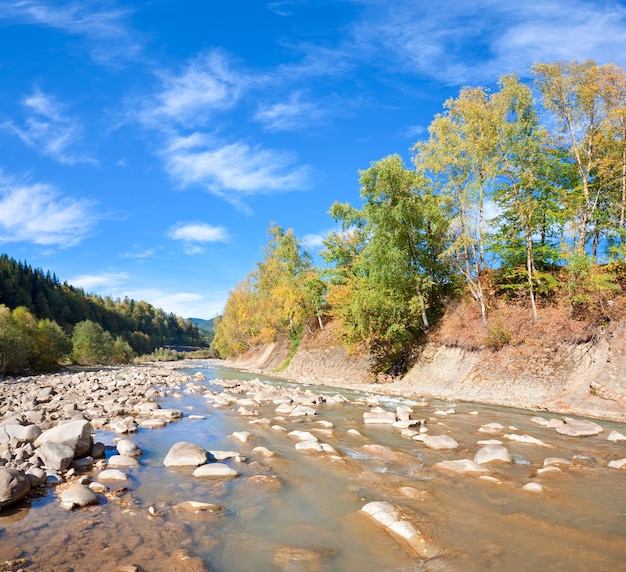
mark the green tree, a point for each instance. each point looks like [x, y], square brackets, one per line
[91, 344]
[460, 159]
[386, 289]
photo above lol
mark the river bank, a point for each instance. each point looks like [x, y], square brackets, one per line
[586, 379]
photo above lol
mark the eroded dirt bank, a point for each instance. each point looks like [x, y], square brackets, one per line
[586, 379]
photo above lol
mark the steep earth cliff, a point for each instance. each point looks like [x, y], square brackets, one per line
[585, 378]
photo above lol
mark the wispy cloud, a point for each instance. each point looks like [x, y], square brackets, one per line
[107, 32]
[198, 232]
[185, 304]
[38, 213]
[99, 282]
[296, 113]
[207, 83]
[139, 253]
[222, 167]
[48, 130]
[462, 42]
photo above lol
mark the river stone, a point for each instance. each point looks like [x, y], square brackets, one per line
[37, 476]
[615, 436]
[618, 464]
[440, 442]
[168, 413]
[122, 461]
[79, 495]
[578, 428]
[533, 487]
[243, 436]
[123, 425]
[490, 453]
[155, 423]
[14, 486]
[112, 475]
[215, 471]
[526, 439]
[183, 454]
[460, 466]
[23, 433]
[128, 448]
[74, 434]
[491, 428]
[302, 435]
[309, 446]
[197, 506]
[379, 416]
[223, 455]
[284, 409]
[302, 411]
[55, 456]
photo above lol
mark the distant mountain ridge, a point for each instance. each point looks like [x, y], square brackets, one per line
[204, 325]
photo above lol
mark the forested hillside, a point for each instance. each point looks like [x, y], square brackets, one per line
[516, 197]
[136, 327]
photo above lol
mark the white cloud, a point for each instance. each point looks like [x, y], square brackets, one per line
[293, 114]
[198, 232]
[313, 241]
[106, 30]
[98, 282]
[198, 160]
[38, 213]
[47, 130]
[185, 304]
[205, 85]
[472, 42]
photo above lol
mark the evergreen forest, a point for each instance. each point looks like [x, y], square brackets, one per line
[516, 196]
[44, 321]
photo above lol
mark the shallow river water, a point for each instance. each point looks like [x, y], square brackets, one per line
[300, 511]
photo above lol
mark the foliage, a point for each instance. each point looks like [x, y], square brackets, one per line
[139, 323]
[274, 300]
[394, 282]
[29, 345]
[92, 345]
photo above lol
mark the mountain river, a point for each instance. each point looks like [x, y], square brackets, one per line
[299, 509]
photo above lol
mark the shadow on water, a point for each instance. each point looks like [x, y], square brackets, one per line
[301, 510]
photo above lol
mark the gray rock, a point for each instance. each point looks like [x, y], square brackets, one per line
[75, 434]
[215, 471]
[460, 466]
[23, 433]
[123, 424]
[56, 456]
[183, 454]
[123, 461]
[490, 453]
[379, 416]
[578, 427]
[129, 448]
[440, 442]
[83, 465]
[79, 495]
[37, 476]
[112, 475]
[14, 486]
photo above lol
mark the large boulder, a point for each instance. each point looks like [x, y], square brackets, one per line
[183, 454]
[55, 456]
[75, 434]
[14, 486]
[129, 448]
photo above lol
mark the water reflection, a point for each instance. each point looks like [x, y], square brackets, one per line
[301, 510]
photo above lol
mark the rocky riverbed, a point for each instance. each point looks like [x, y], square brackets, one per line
[400, 469]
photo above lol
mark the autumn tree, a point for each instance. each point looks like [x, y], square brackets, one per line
[395, 281]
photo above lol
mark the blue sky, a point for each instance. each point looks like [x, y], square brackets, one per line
[145, 147]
